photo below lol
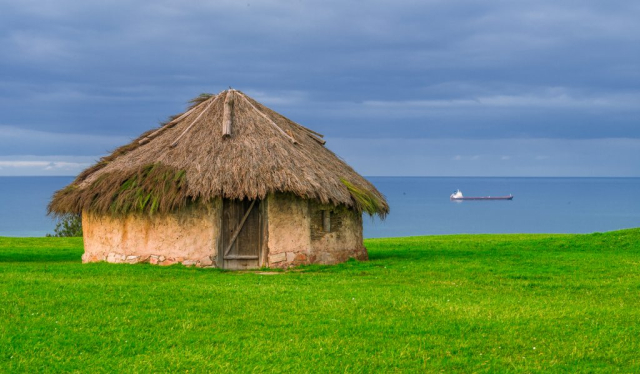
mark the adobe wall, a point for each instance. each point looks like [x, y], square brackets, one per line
[296, 234]
[343, 240]
[288, 237]
[189, 237]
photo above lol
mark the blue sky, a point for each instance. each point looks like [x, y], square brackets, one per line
[456, 88]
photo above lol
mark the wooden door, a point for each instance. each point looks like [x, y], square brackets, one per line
[242, 228]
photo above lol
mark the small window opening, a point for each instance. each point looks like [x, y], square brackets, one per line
[326, 220]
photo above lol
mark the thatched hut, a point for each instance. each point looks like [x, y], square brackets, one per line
[229, 183]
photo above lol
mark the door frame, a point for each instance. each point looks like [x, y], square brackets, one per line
[264, 234]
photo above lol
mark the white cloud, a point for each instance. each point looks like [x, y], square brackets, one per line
[554, 97]
[31, 46]
[44, 165]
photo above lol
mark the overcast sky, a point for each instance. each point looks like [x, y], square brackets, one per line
[433, 88]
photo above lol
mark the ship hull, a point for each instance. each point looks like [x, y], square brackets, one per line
[484, 198]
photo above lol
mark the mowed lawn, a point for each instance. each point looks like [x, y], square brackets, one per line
[464, 303]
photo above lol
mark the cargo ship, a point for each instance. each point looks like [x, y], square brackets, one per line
[457, 195]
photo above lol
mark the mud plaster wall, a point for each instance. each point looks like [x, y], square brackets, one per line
[188, 237]
[295, 234]
[343, 241]
[289, 239]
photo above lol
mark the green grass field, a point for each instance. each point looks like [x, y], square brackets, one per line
[464, 303]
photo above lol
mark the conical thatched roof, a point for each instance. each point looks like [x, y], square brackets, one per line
[190, 160]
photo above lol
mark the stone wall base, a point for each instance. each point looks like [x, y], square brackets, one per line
[279, 260]
[118, 258]
[285, 260]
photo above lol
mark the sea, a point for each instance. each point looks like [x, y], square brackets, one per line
[419, 205]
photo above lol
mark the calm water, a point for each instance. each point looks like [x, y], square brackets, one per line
[419, 206]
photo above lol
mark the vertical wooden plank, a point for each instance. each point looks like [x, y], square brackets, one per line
[227, 115]
[219, 241]
[241, 230]
[244, 252]
[223, 233]
[264, 237]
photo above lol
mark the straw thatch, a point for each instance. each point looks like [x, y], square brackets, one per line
[188, 160]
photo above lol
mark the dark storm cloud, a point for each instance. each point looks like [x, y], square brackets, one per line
[380, 69]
